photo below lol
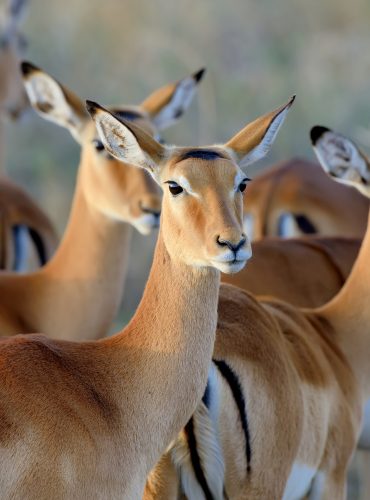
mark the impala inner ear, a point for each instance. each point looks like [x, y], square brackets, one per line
[167, 104]
[125, 140]
[255, 140]
[53, 101]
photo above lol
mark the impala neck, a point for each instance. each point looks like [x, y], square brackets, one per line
[85, 278]
[163, 356]
[349, 312]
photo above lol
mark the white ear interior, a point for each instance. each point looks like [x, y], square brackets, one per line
[179, 102]
[120, 142]
[334, 150]
[268, 139]
[48, 99]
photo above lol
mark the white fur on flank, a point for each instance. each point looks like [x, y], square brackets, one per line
[287, 226]
[208, 447]
[299, 482]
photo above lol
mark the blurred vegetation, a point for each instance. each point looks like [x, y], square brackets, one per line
[257, 53]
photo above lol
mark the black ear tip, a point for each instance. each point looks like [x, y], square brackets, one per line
[92, 107]
[199, 75]
[27, 68]
[317, 132]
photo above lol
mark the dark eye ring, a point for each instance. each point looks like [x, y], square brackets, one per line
[99, 146]
[243, 184]
[175, 189]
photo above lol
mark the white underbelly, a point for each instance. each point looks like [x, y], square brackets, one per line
[299, 482]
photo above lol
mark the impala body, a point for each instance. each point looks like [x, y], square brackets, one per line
[89, 420]
[282, 411]
[77, 294]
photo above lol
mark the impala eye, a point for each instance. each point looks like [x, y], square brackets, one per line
[174, 188]
[98, 145]
[243, 184]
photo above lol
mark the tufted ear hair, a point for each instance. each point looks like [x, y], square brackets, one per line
[53, 101]
[167, 104]
[255, 139]
[126, 141]
[341, 158]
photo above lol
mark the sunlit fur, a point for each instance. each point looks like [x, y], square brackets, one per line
[300, 187]
[305, 377]
[83, 283]
[97, 415]
[306, 272]
[17, 208]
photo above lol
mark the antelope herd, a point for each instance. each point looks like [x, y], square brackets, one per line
[231, 381]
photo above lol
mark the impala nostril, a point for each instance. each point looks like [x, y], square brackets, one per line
[234, 247]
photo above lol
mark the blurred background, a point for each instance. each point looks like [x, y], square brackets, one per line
[257, 54]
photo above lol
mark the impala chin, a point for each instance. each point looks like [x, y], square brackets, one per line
[147, 223]
[230, 263]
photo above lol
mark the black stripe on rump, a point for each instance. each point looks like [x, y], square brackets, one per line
[40, 246]
[195, 459]
[235, 387]
[304, 224]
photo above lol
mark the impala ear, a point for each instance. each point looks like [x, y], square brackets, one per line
[340, 157]
[168, 104]
[53, 101]
[126, 141]
[255, 139]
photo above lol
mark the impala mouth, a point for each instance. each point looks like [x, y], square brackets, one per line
[231, 262]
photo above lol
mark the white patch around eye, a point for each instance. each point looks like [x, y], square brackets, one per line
[184, 183]
[264, 146]
[239, 177]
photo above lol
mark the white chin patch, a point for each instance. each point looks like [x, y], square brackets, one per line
[230, 267]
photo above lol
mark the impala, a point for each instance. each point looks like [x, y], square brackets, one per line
[306, 272]
[20, 216]
[89, 420]
[281, 414]
[83, 283]
[296, 198]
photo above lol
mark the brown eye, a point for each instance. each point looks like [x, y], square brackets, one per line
[243, 184]
[175, 189]
[98, 145]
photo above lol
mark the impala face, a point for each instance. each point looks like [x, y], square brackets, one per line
[116, 189]
[202, 203]
[341, 158]
[203, 208]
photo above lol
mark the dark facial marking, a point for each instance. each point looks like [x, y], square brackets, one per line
[126, 115]
[203, 154]
[44, 107]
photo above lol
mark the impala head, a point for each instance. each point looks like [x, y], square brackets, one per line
[202, 208]
[13, 98]
[118, 190]
[341, 158]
